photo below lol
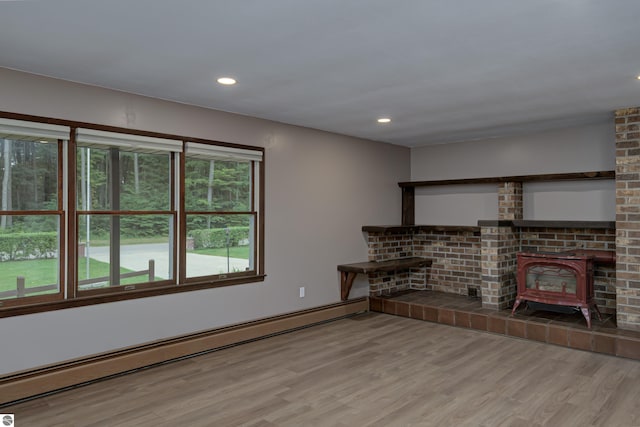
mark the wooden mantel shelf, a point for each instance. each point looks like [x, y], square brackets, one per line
[565, 224]
[521, 223]
[532, 223]
[397, 229]
[574, 176]
[348, 272]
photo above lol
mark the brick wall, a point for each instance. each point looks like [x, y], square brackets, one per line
[387, 283]
[628, 217]
[560, 239]
[455, 258]
[386, 246]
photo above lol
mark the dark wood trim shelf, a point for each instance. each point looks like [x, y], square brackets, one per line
[565, 224]
[523, 223]
[495, 223]
[397, 229]
[574, 176]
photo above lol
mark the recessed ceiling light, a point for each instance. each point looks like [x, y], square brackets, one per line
[226, 81]
[384, 120]
[638, 77]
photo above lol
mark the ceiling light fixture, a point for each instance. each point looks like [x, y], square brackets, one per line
[384, 120]
[226, 81]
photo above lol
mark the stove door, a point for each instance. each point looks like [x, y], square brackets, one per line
[551, 278]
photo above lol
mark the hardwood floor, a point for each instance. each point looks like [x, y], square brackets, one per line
[369, 370]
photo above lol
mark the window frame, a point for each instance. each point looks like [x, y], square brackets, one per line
[253, 211]
[61, 215]
[111, 212]
[69, 294]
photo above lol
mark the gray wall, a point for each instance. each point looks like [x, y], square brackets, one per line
[320, 189]
[578, 149]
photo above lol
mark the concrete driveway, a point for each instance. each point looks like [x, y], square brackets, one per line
[136, 258]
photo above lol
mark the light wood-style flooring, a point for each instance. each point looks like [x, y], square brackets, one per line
[369, 370]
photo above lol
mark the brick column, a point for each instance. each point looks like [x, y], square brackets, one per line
[510, 200]
[500, 243]
[628, 218]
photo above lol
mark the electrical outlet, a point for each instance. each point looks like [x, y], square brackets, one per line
[302, 292]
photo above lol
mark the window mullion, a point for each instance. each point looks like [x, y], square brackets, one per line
[70, 175]
[114, 239]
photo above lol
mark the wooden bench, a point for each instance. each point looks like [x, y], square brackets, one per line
[348, 272]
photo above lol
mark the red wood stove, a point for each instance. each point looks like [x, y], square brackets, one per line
[562, 278]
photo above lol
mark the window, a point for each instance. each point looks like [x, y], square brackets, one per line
[220, 211]
[126, 212]
[88, 213]
[32, 217]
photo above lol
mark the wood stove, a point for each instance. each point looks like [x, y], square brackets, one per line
[561, 278]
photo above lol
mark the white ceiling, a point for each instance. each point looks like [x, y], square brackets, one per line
[443, 70]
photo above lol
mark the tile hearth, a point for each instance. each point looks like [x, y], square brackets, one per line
[568, 330]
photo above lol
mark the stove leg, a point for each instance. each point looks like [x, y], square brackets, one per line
[515, 305]
[595, 306]
[586, 312]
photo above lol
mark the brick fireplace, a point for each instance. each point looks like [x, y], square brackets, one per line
[482, 260]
